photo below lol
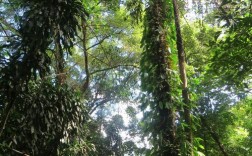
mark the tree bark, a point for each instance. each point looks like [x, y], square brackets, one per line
[84, 41]
[183, 77]
[59, 59]
[159, 57]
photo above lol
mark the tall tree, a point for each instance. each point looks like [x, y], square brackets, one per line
[183, 77]
[44, 28]
[156, 66]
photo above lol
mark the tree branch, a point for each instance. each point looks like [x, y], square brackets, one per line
[2, 21]
[213, 135]
[98, 105]
[117, 66]
[99, 42]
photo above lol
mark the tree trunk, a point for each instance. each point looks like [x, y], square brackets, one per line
[84, 41]
[59, 59]
[182, 69]
[213, 135]
[158, 58]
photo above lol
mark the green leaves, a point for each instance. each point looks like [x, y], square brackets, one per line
[232, 53]
[40, 24]
[135, 8]
[240, 131]
[46, 113]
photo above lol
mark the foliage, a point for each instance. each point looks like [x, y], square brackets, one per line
[232, 55]
[42, 41]
[113, 59]
[45, 111]
[44, 115]
[39, 25]
[239, 133]
[113, 66]
[135, 8]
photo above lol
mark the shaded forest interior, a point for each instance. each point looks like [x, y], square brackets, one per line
[125, 77]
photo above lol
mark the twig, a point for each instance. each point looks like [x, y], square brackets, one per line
[19, 152]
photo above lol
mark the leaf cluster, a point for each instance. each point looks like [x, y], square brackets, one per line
[42, 116]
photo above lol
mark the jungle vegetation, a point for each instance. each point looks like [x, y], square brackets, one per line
[125, 77]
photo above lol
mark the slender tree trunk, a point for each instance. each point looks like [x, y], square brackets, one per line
[182, 69]
[84, 42]
[214, 136]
